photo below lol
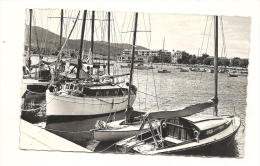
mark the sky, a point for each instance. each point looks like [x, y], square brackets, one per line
[185, 32]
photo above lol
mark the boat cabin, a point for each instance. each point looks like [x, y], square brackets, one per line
[94, 91]
[178, 131]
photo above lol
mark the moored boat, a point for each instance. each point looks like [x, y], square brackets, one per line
[164, 71]
[181, 133]
[184, 70]
[88, 94]
[117, 130]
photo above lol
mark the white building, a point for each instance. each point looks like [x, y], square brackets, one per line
[176, 55]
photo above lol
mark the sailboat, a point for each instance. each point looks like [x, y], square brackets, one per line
[181, 133]
[87, 95]
[163, 54]
[34, 81]
[117, 130]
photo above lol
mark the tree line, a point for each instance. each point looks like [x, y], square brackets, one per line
[205, 59]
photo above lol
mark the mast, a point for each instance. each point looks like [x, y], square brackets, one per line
[61, 27]
[129, 108]
[108, 38]
[163, 52]
[92, 34]
[30, 39]
[216, 62]
[133, 56]
[81, 44]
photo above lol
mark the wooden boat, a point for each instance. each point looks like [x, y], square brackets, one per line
[184, 135]
[181, 133]
[88, 94]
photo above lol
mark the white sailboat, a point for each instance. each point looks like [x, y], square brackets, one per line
[163, 54]
[89, 95]
[180, 133]
[117, 130]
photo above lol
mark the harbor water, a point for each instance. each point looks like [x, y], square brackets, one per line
[156, 91]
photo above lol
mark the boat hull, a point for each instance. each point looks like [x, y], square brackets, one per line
[113, 135]
[116, 132]
[67, 105]
[205, 146]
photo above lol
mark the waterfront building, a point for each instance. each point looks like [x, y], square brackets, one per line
[144, 55]
[141, 56]
[176, 55]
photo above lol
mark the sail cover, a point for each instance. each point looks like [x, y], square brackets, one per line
[181, 112]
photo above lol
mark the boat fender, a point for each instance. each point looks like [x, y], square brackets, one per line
[196, 133]
[164, 124]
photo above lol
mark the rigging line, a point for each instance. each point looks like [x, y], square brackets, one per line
[224, 41]
[150, 33]
[209, 33]
[120, 37]
[128, 25]
[194, 86]
[114, 17]
[55, 39]
[48, 25]
[123, 25]
[155, 92]
[203, 35]
[69, 22]
[145, 29]
[148, 55]
[35, 31]
[138, 87]
[223, 37]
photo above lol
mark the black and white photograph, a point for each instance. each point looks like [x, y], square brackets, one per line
[134, 82]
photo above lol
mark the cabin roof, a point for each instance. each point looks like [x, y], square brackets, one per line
[206, 122]
[196, 119]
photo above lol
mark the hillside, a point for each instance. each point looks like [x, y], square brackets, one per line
[53, 40]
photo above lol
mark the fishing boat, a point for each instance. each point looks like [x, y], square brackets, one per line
[87, 94]
[163, 70]
[117, 130]
[181, 133]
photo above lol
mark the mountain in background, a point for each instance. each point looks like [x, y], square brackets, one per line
[50, 42]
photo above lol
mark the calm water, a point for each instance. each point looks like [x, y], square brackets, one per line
[159, 91]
